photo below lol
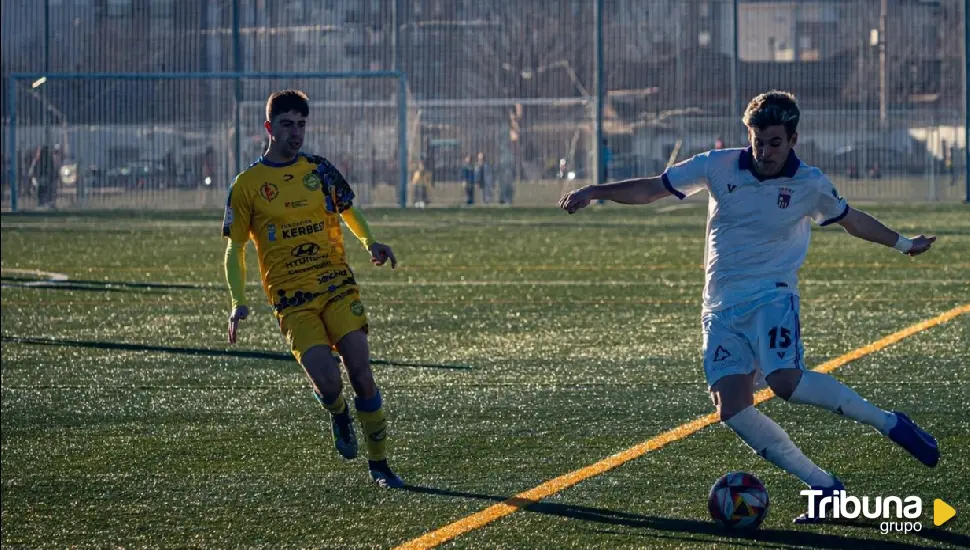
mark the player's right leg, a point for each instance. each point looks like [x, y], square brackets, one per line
[370, 408]
[310, 345]
[824, 391]
[780, 352]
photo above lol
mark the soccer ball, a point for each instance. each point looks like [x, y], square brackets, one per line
[738, 501]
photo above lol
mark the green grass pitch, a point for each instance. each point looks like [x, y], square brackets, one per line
[512, 346]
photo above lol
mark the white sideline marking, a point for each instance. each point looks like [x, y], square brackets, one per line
[45, 277]
[651, 282]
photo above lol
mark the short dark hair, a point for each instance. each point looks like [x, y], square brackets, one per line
[774, 108]
[285, 101]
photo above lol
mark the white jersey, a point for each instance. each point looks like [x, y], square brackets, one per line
[758, 229]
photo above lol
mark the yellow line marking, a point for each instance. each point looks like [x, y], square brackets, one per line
[549, 488]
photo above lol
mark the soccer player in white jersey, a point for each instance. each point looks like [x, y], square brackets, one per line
[762, 202]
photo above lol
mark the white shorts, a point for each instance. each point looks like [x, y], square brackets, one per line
[763, 335]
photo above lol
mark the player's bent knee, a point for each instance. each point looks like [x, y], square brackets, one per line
[730, 403]
[784, 381]
[732, 394]
[355, 351]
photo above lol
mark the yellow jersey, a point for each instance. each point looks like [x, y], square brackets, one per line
[291, 211]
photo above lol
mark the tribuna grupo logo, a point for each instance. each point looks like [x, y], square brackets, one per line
[899, 514]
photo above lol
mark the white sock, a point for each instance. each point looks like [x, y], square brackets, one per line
[828, 393]
[771, 442]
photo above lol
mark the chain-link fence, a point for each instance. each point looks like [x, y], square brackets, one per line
[173, 140]
[882, 85]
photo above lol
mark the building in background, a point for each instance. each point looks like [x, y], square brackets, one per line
[469, 64]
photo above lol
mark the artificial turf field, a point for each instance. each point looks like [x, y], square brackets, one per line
[512, 347]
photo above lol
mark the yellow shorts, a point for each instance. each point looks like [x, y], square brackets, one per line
[327, 319]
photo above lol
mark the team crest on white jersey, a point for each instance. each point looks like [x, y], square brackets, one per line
[784, 197]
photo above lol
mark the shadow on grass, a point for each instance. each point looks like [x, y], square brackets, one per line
[247, 354]
[99, 286]
[801, 536]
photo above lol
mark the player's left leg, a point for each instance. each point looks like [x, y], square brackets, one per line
[780, 346]
[346, 324]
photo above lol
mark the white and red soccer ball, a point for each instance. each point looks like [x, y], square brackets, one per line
[738, 501]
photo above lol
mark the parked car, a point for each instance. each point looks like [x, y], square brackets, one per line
[146, 175]
[873, 161]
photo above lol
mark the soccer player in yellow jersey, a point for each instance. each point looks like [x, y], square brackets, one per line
[290, 204]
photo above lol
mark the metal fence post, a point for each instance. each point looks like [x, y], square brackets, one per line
[736, 63]
[966, 99]
[12, 141]
[402, 138]
[237, 67]
[600, 95]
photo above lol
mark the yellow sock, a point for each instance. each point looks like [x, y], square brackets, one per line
[370, 412]
[337, 407]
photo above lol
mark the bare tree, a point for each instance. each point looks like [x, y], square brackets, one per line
[915, 47]
[528, 50]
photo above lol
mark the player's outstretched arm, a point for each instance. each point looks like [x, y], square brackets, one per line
[379, 253]
[631, 191]
[235, 266]
[862, 225]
